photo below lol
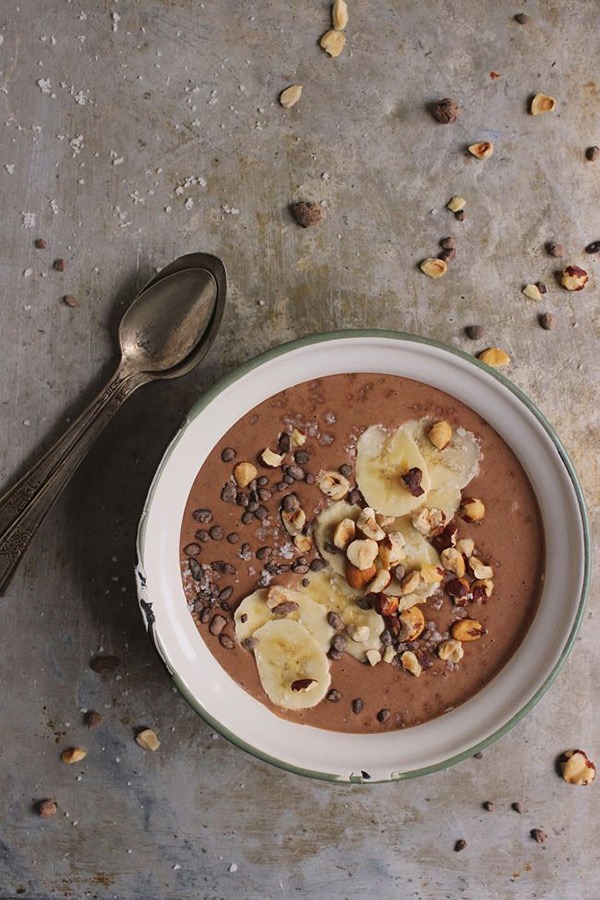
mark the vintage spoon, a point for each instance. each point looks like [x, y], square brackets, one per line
[166, 331]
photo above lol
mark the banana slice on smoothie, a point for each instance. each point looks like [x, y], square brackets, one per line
[293, 668]
[382, 458]
[253, 613]
[454, 466]
[324, 532]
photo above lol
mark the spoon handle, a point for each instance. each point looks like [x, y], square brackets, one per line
[24, 506]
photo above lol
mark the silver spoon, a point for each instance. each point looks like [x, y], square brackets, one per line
[166, 331]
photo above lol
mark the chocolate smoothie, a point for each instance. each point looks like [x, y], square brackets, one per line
[233, 541]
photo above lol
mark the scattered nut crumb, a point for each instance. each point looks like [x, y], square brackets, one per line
[434, 268]
[40, 243]
[539, 835]
[47, 808]
[494, 357]
[574, 278]
[577, 768]
[448, 243]
[73, 755]
[460, 215]
[59, 265]
[547, 321]
[542, 103]
[333, 42]
[92, 718]
[445, 111]
[71, 300]
[460, 845]
[481, 150]
[554, 249]
[518, 808]
[455, 204]
[290, 96]
[475, 332]
[447, 255]
[147, 739]
[592, 153]
[307, 213]
[491, 807]
[339, 15]
[532, 292]
[521, 18]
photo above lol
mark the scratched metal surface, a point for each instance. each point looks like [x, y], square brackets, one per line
[133, 132]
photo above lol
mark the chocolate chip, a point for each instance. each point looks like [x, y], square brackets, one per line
[202, 515]
[288, 479]
[264, 553]
[334, 654]
[412, 480]
[346, 470]
[475, 332]
[59, 265]
[285, 442]
[226, 641]
[191, 549]
[262, 481]
[217, 624]
[460, 845]
[229, 492]
[357, 706]
[216, 533]
[518, 808]
[491, 807]
[299, 569]
[302, 561]
[331, 548]
[71, 300]
[247, 518]
[594, 247]
[264, 495]
[301, 457]
[554, 249]
[233, 538]
[460, 215]
[592, 153]
[252, 485]
[92, 718]
[383, 715]
[547, 321]
[448, 243]
[205, 615]
[522, 19]
[242, 499]
[542, 287]
[317, 565]
[228, 454]
[339, 642]
[252, 506]
[445, 111]
[290, 502]
[355, 497]
[333, 696]
[309, 478]
[307, 213]
[297, 473]
[226, 567]
[335, 620]
[447, 255]
[288, 606]
[539, 835]
[40, 243]
[478, 755]
[305, 582]
[249, 643]
[245, 551]
[261, 512]
[281, 486]
[225, 594]
[104, 663]
[202, 535]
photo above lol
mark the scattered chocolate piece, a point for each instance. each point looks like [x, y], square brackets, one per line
[518, 808]
[59, 265]
[521, 18]
[594, 247]
[547, 321]
[228, 454]
[307, 213]
[225, 594]
[309, 478]
[357, 706]
[554, 249]
[226, 641]
[285, 442]
[249, 643]
[202, 535]
[448, 243]
[448, 255]
[71, 300]
[542, 287]
[334, 696]
[317, 565]
[445, 111]
[229, 492]
[247, 518]
[202, 515]
[301, 457]
[383, 715]
[92, 718]
[40, 243]
[355, 497]
[262, 481]
[592, 153]
[264, 553]
[261, 513]
[205, 615]
[412, 480]
[491, 807]
[216, 533]
[191, 549]
[478, 755]
[196, 570]
[539, 835]
[233, 538]
[47, 808]
[285, 608]
[459, 215]
[335, 620]
[104, 663]
[302, 684]
[217, 624]
[290, 502]
[460, 845]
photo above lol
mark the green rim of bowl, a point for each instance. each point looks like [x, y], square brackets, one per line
[400, 336]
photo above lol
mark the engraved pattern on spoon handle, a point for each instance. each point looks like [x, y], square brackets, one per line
[24, 507]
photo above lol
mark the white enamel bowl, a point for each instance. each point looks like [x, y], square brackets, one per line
[453, 736]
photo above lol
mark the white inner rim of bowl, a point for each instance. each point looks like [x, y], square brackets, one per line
[385, 755]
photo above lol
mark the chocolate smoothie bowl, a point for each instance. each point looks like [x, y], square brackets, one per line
[361, 574]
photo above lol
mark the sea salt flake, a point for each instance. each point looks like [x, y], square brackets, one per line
[76, 144]
[28, 219]
[233, 867]
[230, 210]
[188, 203]
[44, 85]
[54, 207]
[10, 168]
[116, 18]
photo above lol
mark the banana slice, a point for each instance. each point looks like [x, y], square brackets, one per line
[324, 528]
[456, 465]
[293, 668]
[335, 594]
[382, 457]
[417, 552]
[253, 613]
